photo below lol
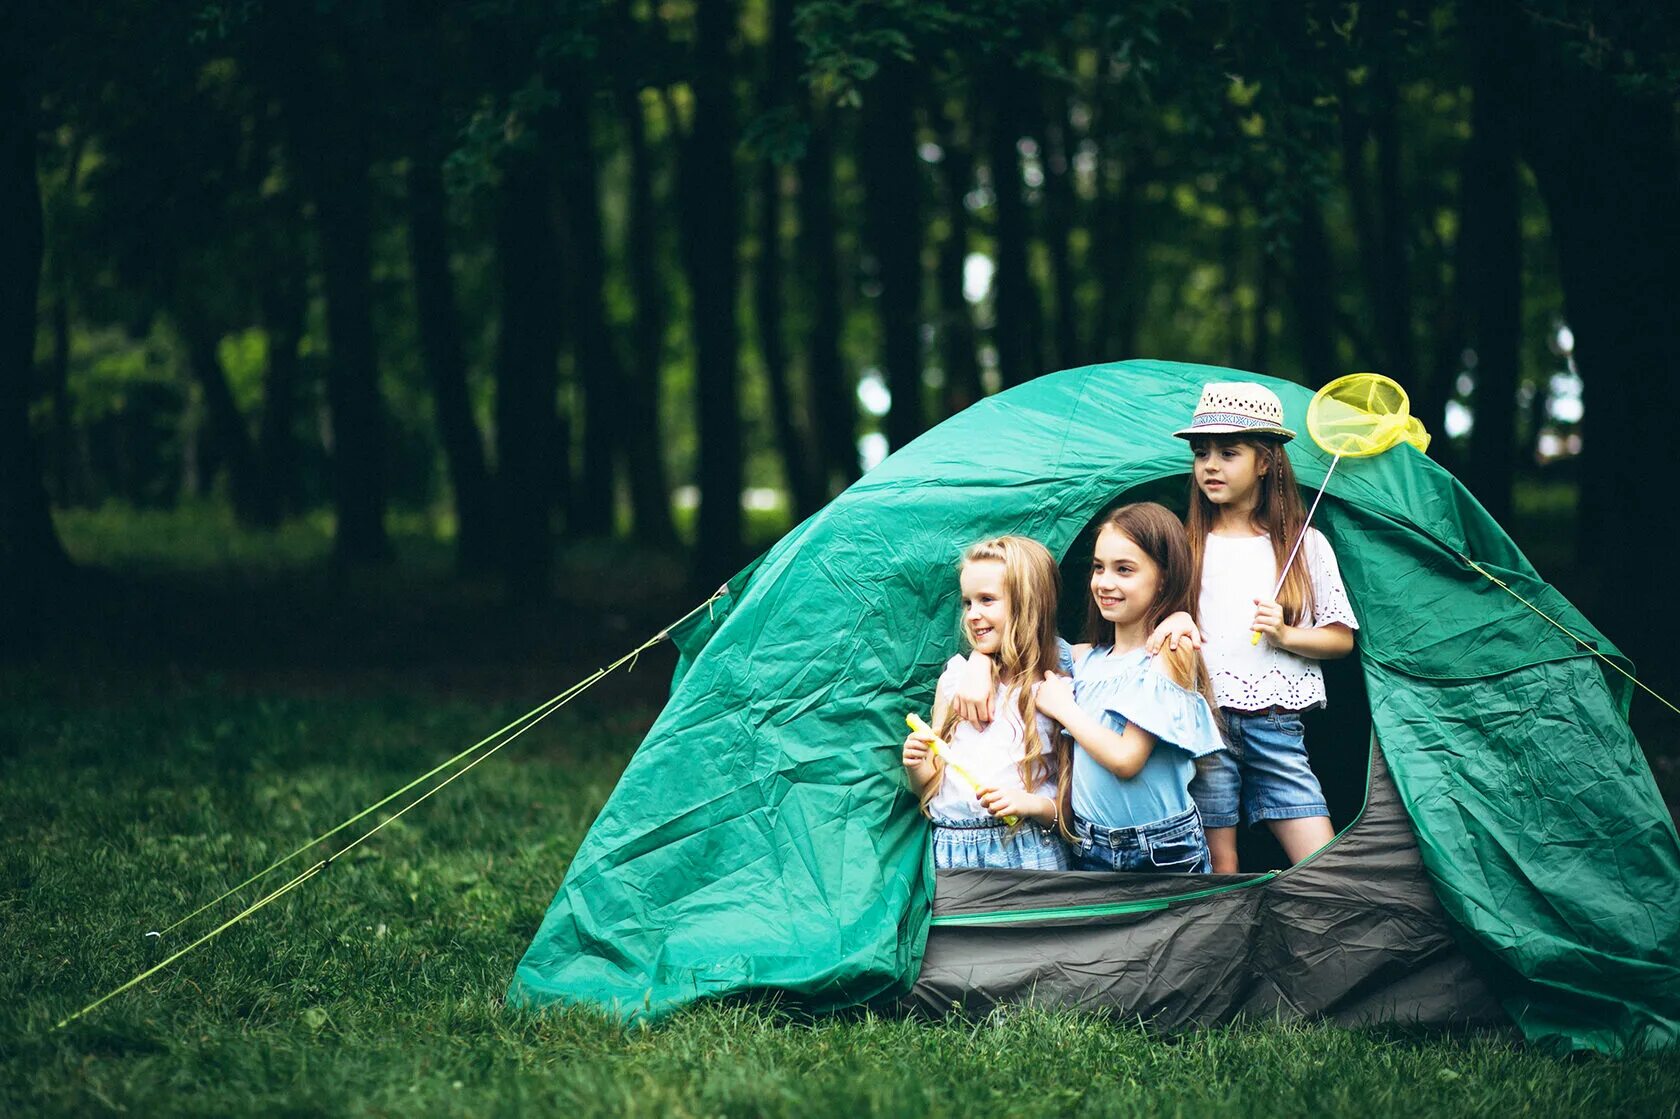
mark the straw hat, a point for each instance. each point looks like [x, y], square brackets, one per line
[1237, 408]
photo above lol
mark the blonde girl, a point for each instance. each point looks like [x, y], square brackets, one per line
[1009, 590]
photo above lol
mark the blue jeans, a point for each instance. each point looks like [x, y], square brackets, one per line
[989, 844]
[1264, 770]
[1173, 845]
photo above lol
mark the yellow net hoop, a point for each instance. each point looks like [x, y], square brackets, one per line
[1363, 414]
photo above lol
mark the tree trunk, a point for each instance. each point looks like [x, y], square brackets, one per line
[1115, 224]
[228, 430]
[1232, 267]
[1260, 322]
[1061, 219]
[284, 300]
[62, 452]
[801, 458]
[1356, 136]
[1119, 287]
[1429, 404]
[1310, 295]
[446, 367]
[31, 558]
[1435, 387]
[892, 225]
[358, 412]
[599, 371]
[330, 142]
[711, 217]
[1492, 255]
[1380, 217]
[529, 459]
[1605, 162]
[1394, 307]
[1014, 315]
[68, 482]
[650, 491]
[958, 350]
[831, 393]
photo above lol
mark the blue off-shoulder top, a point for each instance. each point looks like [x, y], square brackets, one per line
[1128, 688]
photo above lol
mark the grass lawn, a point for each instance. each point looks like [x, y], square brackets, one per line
[195, 729]
[375, 988]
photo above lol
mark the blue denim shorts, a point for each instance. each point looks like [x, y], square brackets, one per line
[988, 844]
[1264, 768]
[1173, 845]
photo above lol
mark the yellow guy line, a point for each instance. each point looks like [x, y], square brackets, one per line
[229, 923]
[536, 714]
[529, 720]
[1579, 640]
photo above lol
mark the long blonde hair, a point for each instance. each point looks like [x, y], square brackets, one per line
[1278, 512]
[1032, 583]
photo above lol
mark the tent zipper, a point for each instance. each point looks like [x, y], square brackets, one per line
[1106, 909]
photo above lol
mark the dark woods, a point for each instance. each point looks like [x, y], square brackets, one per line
[595, 268]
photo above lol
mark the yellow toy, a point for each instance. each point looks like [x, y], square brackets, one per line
[915, 723]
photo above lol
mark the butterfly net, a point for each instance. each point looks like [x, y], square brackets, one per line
[1363, 414]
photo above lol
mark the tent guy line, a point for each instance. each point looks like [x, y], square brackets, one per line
[529, 720]
[1579, 640]
[533, 716]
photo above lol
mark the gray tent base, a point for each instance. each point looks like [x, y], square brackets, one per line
[1353, 935]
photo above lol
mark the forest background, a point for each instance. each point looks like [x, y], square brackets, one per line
[514, 276]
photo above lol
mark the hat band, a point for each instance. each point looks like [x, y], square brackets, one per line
[1236, 419]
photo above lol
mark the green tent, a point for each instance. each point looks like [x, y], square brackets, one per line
[1513, 859]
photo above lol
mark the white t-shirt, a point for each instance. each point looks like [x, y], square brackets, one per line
[1236, 570]
[992, 755]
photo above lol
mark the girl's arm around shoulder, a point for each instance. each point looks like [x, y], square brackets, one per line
[1178, 628]
[972, 687]
[1177, 665]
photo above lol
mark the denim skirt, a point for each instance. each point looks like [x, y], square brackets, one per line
[988, 843]
[1264, 770]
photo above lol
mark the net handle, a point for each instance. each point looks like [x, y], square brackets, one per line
[1283, 572]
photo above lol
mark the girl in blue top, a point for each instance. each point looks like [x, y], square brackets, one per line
[1137, 722]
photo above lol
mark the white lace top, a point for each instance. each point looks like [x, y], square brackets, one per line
[1236, 570]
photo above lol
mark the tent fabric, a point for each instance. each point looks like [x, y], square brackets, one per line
[762, 836]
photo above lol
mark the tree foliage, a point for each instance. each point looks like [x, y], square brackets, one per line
[530, 265]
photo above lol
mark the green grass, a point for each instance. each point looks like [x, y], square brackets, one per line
[375, 989]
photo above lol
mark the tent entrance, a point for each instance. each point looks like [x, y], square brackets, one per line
[1130, 901]
[1354, 933]
[1334, 734]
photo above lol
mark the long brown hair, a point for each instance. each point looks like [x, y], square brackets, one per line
[1032, 584]
[1278, 512]
[1159, 534]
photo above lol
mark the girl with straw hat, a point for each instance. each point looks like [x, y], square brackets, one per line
[1263, 636]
